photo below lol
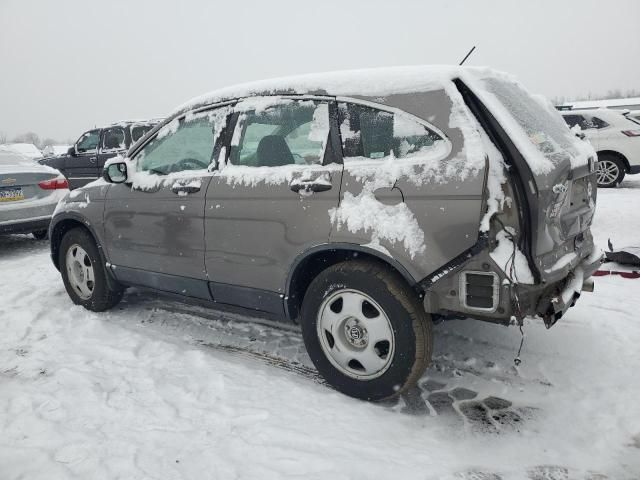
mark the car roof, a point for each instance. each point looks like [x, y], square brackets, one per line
[127, 123]
[366, 82]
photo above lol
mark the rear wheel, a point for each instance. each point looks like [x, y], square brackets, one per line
[84, 273]
[39, 234]
[365, 330]
[610, 171]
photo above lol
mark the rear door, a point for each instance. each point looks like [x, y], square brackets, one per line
[154, 226]
[410, 190]
[271, 198]
[82, 168]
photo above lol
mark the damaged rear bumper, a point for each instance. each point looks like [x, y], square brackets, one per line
[554, 305]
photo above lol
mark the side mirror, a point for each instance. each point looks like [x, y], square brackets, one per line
[72, 151]
[115, 173]
[581, 135]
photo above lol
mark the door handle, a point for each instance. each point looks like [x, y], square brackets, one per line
[92, 160]
[310, 186]
[184, 189]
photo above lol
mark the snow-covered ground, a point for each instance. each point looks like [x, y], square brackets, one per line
[159, 390]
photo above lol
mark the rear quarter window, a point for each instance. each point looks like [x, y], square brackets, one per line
[367, 132]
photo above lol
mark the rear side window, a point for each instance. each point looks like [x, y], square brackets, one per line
[598, 122]
[113, 139]
[287, 133]
[371, 133]
[585, 123]
[573, 120]
[138, 131]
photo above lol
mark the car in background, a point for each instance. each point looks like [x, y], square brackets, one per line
[83, 161]
[28, 150]
[361, 205]
[634, 115]
[55, 150]
[615, 137]
[29, 194]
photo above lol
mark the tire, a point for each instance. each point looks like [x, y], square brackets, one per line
[610, 170]
[40, 234]
[356, 311]
[84, 273]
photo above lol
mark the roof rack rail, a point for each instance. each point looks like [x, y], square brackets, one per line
[564, 107]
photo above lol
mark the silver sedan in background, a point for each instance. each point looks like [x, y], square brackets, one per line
[29, 193]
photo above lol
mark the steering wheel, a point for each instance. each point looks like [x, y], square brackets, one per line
[189, 164]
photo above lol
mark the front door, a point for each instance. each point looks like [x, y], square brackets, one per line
[82, 167]
[154, 226]
[270, 199]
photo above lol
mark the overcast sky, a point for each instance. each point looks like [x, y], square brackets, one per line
[66, 66]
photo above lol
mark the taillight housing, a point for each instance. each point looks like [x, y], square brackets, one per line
[631, 133]
[54, 184]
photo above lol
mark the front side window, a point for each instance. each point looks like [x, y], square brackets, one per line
[113, 139]
[88, 142]
[371, 133]
[181, 145]
[286, 133]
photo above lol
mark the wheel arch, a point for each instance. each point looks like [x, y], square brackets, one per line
[61, 226]
[313, 261]
[619, 155]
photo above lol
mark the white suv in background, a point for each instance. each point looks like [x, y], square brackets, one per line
[616, 139]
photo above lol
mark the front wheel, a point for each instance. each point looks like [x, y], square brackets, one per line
[610, 171]
[84, 273]
[365, 330]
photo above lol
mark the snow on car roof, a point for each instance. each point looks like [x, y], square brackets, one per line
[126, 123]
[366, 82]
[26, 149]
[631, 102]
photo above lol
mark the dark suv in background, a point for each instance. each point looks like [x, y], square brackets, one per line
[84, 161]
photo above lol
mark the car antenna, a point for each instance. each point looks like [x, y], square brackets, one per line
[467, 55]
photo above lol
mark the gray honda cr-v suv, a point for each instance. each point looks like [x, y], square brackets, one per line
[362, 205]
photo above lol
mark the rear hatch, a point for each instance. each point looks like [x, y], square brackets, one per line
[559, 176]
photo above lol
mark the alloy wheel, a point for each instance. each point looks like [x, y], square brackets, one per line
[607, 172]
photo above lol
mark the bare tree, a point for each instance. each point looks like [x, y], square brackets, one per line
[3, 137]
